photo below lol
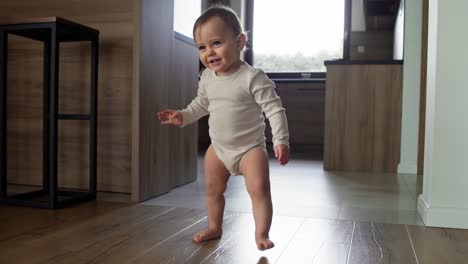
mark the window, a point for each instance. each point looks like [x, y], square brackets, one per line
[185, 14]
[296, 35]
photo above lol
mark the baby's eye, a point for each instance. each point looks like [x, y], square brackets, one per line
[201, 48]
[216, 43]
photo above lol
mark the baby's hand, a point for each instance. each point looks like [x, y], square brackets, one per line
[170, 117]
[282, 154]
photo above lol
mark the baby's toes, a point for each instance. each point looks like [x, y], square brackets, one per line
[265, 244]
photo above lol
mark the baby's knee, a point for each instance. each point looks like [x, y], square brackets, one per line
[259, 189]
[214, 189]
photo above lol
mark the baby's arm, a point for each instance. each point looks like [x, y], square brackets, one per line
[263, 90]
[194, 111]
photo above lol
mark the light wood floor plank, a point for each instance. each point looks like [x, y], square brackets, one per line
[122, 247]
[242, 248]
[180, 248]
[439, 245]
[319, 241]
[381, 243]
[152, 235]
[17, 221]
[231, 227]
[79, 236]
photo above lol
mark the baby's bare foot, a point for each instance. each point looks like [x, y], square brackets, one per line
[207, 234]
[264, 243]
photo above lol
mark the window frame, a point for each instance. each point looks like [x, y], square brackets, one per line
[295, 76]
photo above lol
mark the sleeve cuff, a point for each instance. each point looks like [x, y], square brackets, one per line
[187, 118]
[280, 142]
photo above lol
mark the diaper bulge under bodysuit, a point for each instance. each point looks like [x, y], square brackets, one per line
[236, 104]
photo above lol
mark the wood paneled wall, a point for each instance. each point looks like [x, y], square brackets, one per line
[142, 70]
[363, 117]
[114, 20]
[151, 149]
[164, 156]
[24, 111]
[183, 89]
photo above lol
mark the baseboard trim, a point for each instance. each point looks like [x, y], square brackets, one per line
[407, 168]
[442, 216]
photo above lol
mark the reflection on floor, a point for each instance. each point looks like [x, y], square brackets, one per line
[303, 189]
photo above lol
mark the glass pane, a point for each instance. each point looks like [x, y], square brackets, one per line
[185, 14]
[297, 35]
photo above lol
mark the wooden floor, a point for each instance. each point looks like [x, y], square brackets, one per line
[117, 232]
[303, 189]
[319, 217]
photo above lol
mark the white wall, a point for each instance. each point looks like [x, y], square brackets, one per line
[411, 87]
[444, 201]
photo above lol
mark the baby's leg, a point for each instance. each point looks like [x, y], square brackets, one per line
[216, 177]
[257, 178]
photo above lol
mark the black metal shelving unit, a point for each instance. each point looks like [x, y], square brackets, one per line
[51, 32]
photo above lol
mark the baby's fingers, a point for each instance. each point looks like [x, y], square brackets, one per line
[283, 156]
[278, 154]
[167, 121]
[285, 159]
[165, 114]
[282, 159]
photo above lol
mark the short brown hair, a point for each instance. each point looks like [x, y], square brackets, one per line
[226, 14]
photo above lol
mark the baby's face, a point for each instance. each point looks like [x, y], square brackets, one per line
[218, 47]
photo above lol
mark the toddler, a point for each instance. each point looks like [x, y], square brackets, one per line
[235, 95]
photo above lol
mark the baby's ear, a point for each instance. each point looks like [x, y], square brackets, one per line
[241, 41]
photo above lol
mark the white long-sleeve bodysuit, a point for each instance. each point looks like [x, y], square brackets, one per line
[235, 104]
